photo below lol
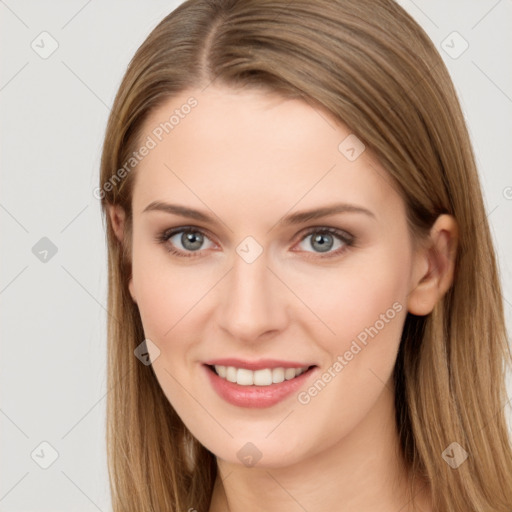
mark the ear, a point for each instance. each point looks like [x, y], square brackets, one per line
[434, 266]
[117, 218]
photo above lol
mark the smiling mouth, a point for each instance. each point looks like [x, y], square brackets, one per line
[263, 377]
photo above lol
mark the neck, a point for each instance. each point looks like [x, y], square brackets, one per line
[363, 471]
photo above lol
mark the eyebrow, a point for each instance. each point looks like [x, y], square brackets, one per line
[292, 219]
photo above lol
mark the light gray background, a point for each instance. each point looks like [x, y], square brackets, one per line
[54, 112]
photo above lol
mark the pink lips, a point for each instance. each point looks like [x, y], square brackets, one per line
[256, 396]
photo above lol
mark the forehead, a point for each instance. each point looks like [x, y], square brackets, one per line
[257, 149]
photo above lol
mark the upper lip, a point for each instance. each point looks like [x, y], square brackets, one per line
[256, 365]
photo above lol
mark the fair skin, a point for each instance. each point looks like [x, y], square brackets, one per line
[247, 159]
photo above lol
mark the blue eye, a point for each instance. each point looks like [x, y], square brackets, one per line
[323, 240]
[189, 241]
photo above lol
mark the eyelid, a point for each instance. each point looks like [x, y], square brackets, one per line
[340, 233]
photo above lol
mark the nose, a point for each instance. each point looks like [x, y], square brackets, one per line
[253, 301]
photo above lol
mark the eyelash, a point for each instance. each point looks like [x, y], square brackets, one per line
[346, 238]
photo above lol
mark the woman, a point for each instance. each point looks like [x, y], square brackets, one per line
[305, 306]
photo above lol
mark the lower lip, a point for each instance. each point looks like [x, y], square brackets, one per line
[255, 396]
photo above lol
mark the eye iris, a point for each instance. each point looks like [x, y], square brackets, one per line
[193, 238]
[321, 240]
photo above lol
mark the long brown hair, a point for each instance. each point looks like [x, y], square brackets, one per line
[372, 67]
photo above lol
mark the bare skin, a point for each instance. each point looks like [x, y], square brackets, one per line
[247, 159]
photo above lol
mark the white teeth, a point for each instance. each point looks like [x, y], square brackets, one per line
[264, 377]
[244, 377]
[231, 373]
[277, 375]
[289, 373]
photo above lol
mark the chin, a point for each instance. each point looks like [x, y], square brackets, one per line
[258, 452]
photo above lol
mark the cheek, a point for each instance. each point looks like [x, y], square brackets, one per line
[167, 298]
[359, 300]
[157, 298]
[166, 293]
[366, 310]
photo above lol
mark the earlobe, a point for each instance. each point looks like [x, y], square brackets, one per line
[132, 290]
[434, 267]
[117, 217]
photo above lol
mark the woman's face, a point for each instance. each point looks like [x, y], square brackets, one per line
[247, 281]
